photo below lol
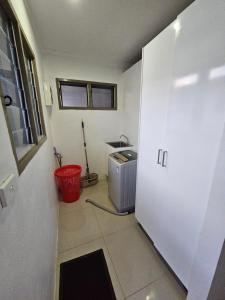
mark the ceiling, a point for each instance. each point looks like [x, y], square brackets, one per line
[104, 32]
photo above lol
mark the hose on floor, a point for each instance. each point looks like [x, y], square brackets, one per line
[106, 209]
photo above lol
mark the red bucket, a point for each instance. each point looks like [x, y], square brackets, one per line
[68, 182]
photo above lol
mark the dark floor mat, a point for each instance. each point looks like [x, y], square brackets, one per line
[86, 278]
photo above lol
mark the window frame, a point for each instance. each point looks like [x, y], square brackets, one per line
[22, 43]
[27, 48]
[72, 82]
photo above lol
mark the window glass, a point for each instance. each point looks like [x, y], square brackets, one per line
[12, 89]
[74, 95]
[33, 96]
[102, 97]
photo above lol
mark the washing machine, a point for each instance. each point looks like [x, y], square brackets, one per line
[122, 170]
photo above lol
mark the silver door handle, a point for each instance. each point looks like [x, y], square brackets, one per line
[159, 162]
[164, 160]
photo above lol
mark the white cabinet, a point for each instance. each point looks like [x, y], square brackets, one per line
[182, 112]
[156, 87]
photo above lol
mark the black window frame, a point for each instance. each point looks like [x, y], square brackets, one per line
[22, 44]
[88, 84]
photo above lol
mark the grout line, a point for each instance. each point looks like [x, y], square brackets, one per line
[103, 237]
[77, 246]
[75, 208]
[92, 239]
[120, 230]
[113, 266]
[148, 284]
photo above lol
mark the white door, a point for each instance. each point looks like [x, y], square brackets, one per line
[195, 124]
[156, 88]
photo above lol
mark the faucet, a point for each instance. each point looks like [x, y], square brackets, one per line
[123, 135]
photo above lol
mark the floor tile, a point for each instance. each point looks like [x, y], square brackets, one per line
[135, 268]
[100, 188]
[68, 207]
[100, 195]
[111, 223]
[88, 248]
[166, 288]
[134, 258]
[98, 191]
[77, 227]
[102, 199]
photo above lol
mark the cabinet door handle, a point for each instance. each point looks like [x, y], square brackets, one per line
[159, 162]
[164, 160]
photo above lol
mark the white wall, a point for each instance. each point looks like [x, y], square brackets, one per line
[131, 102]
[212, 235]
[28, 226]
[101, 126]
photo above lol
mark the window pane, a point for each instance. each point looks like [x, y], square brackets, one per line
[74, 95]
[11, 85]
[33, 96]
[102, 97]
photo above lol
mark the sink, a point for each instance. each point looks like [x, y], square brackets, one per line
[118, 144]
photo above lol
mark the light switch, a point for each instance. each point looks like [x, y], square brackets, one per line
[8, 189]
[48, 94]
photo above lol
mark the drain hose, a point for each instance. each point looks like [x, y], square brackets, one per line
[106, 209]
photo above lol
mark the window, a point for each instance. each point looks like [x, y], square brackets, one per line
[19, 90]
[74, 94]
[33, 89]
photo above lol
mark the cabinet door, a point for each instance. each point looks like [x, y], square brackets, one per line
[156, 89]
[195, 124]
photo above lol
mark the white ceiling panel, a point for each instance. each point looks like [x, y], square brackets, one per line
[106, 32]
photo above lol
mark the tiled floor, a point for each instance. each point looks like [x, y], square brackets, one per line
[136, 271]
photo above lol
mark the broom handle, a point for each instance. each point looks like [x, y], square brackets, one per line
[85, 148]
